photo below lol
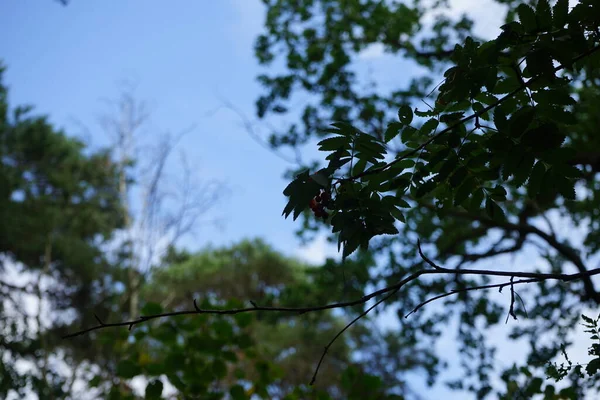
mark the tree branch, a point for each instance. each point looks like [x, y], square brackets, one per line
[524, 229]
[456, 291]
[364, 313]
[302, 310]
[464, 120]
[389, 291]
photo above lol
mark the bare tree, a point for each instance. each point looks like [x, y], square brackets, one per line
[160, 209]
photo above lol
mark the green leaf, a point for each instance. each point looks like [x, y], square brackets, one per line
[534, 387]
[560, 13]
[429, 126]
[476, 200]
[393, 129]
[451, 118]
[300, 191]
[494, 211]
[425, 188]
[464, 190]
[408, 133]
[223, 329]
[449, 165]
[154, 389]
[359, 167]
[486, 98]
[506, 85]
[438, 156]
[428, 113]
[370, 146]
[498, 193]
[523, 169]
[219, 368]
[548, 189]
[593, 366]
[400, 202]
[151, 308]
[95, 381]
[566, 187]
[334, 143]
[500, 119]
[540, 63]
[521, 120]
[527, 17]
[543, 15]
[128, 369]
[405, 114]
[350, 246]
[553, 97]
[458, 177]
[345, 128]
[544, 137]
[535, 179]
[398, 214]
[321, 178]
[237, 392]
[563, 116]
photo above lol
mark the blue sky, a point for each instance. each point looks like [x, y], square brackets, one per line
[185, 58]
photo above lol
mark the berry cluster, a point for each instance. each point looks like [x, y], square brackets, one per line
[318, 204]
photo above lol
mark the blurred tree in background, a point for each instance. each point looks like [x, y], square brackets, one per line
[65, 211]
[60, 204]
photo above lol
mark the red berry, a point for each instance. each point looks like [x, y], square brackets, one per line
[313, 204]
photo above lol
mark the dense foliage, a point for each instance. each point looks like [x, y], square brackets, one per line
[59, 205]
[503, 161]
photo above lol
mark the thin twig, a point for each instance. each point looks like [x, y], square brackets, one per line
[456, 291]
[364, 313]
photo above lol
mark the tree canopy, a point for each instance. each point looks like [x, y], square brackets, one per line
[499, 158]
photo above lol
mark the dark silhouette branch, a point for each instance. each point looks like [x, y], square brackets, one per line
[525, 229]
[389, 291]
[362, 300]
[466, 119]
[363, 314]
[587, 158]
[456, 291]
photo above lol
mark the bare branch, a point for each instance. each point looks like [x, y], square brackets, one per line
[525, 229]
[456, 291]
[249, 127]
[534, 276]
[363, 314]
[389, 291]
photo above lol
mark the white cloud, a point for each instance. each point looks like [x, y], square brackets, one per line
[372, 51]
[317, 251]
[488, 15]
